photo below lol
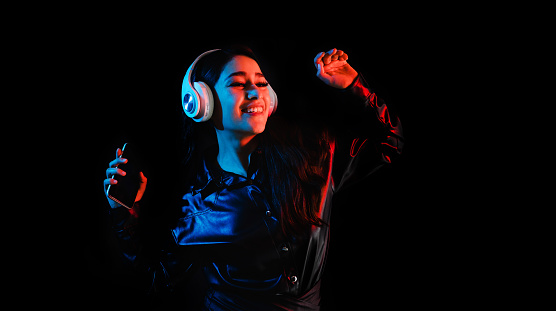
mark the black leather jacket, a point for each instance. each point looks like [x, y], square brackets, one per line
[228, 225]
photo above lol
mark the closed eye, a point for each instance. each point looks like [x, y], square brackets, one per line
[240, 84]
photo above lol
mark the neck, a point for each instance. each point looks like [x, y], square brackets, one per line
[234, 151]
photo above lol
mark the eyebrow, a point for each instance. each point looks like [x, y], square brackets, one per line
[243, 73]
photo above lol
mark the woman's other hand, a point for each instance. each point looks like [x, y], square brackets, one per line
[333, 69]
[114, 170]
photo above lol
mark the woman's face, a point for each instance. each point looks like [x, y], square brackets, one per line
[242, 99]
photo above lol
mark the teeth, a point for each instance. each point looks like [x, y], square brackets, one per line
[254, 109]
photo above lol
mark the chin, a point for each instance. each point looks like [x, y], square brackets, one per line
[257, 126]
[258, 129]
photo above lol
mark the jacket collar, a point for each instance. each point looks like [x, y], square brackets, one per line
[211, 177]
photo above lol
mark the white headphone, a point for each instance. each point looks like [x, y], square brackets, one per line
[197, 99]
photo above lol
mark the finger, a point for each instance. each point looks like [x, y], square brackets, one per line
[117, 162]
[118, 152]
[142, 187]
[329, 56]
[343, 57]
[109, 181]
[326, 59]
[334, 57]
[142, 177]
[318, 59]
[320, 72]
[340, 54]
[114, 171]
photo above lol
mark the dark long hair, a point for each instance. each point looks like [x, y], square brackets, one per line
[294, 159]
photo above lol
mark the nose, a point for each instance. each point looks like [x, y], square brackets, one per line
[252, 92]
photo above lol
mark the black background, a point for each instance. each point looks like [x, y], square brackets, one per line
[392, 241]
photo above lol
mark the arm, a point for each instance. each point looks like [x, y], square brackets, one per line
[158, 270]
[372, 135]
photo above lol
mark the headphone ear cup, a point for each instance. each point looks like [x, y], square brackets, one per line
[273, 101]
[206, 102]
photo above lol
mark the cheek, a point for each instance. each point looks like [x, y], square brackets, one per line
[229, 103]
[266, 99]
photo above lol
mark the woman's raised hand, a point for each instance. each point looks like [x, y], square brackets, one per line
[333, 69]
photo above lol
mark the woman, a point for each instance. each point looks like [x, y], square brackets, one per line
[258, 189]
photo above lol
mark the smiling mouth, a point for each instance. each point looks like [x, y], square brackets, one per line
[252, 110]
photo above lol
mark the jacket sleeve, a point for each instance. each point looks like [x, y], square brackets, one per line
[159, 271]
[371, 135]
